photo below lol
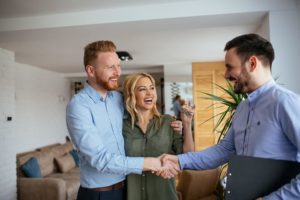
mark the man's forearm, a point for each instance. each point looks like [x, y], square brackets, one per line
[151, 164]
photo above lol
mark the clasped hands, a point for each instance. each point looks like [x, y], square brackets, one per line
[166, 166]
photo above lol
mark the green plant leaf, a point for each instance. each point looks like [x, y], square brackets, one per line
[229, 100]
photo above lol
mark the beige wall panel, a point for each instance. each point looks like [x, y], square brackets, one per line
[204, 77]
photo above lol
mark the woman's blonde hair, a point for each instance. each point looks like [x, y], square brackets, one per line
[130, 99]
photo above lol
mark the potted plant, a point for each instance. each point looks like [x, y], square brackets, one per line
[229, 101]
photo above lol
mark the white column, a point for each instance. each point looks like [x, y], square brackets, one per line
[285, 37]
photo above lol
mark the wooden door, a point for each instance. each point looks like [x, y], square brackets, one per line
[205, 75]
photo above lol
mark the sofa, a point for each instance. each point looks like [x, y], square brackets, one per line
[48, 173]
[198, 184]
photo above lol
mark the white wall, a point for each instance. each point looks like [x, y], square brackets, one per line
[7, 134]
[264, 28]
[284, 35]
[36, 99]
[41, 98]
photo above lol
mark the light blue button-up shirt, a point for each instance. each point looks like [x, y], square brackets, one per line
[265, 125]
[95, 126]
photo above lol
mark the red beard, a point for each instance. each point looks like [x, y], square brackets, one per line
[106, 84]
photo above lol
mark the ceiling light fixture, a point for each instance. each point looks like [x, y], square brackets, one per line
[124, 55]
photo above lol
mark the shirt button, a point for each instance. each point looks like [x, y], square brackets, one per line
[143, 174]
[143, 188]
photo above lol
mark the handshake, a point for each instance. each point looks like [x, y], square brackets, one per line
[166, 166]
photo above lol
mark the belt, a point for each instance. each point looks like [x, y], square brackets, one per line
[116, 186]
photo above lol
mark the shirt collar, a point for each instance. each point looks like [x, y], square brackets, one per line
[136, 121]
[254, 96]
[94, 95]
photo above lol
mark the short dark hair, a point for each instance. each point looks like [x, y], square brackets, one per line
[177, 96]
[91, 50]
[252, 44]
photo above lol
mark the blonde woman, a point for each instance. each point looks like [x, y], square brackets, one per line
[148, 133]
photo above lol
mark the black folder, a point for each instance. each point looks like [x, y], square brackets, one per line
[249, 177]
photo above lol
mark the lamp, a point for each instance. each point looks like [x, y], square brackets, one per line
[124, 55]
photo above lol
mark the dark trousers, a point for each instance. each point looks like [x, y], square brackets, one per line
[87, 194]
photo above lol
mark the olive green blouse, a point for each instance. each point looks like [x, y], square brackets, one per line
[157, 140]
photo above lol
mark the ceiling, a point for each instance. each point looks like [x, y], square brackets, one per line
[52, 34]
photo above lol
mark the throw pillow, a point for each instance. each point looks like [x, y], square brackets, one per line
[65, 163]
[46, 162]
[32, 168]
[75, 156]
